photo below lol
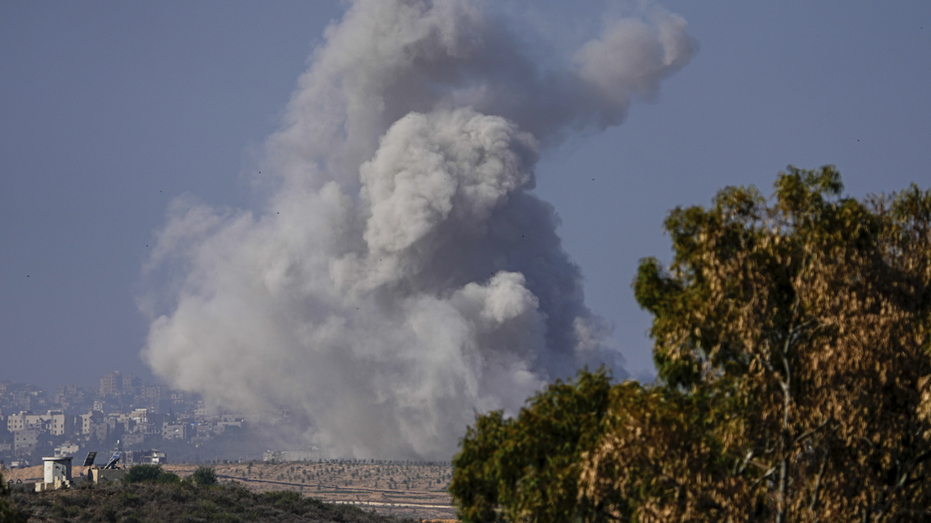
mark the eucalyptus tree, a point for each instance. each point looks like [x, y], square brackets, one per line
[792, 338]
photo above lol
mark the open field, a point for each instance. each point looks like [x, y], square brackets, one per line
[410, 489]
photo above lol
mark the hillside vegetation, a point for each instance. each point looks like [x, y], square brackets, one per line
[184, 502]
[398, 488]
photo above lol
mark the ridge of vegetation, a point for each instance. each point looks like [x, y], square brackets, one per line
[154, 495]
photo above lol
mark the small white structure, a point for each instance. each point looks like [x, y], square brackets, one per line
[57, 473]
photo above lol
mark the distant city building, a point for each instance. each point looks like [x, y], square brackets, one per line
[111, 384]
[149, 456]
[180, 431]
[67, 449]
[122, 411]
[16, 422]
[88, 420]
[132, 385]
[95, 426]
[55, 422]
[60, 424]
[26, 440]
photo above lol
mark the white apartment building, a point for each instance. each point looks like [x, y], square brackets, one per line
[55, 422]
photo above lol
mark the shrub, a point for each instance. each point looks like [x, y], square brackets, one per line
[107, 513]
[168, 478]
[143, 473]
[130, 499]
[182, 493]
[204, 477]
[283, 497]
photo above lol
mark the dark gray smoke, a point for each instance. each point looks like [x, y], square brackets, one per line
[402, 275]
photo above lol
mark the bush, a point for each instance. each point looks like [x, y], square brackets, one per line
[204, 477]
[143, 473]
[283, 497]
[168, 478]
[76, 501]
[130, 499]
[107, 513]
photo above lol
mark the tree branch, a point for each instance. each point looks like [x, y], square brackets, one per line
[814, 497]
[805, 435]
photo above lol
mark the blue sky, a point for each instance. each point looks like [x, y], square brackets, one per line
[108, 110]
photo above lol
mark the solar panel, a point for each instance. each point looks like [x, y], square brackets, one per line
[89, 460]
[112, 463]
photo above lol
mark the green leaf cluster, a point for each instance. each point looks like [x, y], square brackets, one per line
[527, 468]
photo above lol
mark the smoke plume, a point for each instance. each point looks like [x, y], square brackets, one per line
[402, 275]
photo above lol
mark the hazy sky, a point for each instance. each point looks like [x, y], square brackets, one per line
[109, 110]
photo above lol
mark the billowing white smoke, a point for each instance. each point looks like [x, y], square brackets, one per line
[402, 276]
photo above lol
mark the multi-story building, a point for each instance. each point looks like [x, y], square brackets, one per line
[24, 420]
[140, 416]
[120, 424]
[132, 385]
[154, 392]
[70, 396]
[176, 431]
[111, 384]
[26, 440]
[94, 425]
[29, 397]
[201, 413]
[88, 420]
[55, 422]
[16, 422]
[221, 426]
[60, 424]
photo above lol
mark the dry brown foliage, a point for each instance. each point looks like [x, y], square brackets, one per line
[793, 339]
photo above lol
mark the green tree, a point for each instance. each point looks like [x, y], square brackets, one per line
[527, 468]
[795, 334]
